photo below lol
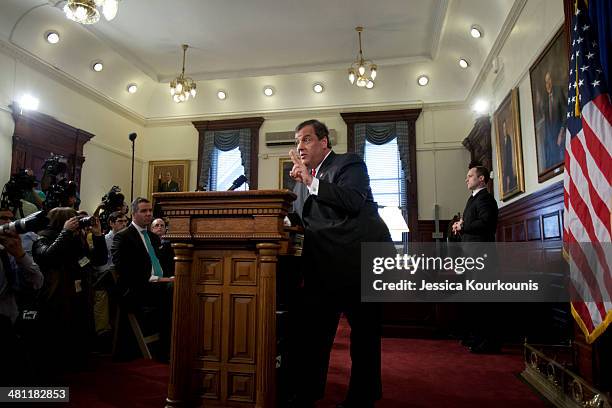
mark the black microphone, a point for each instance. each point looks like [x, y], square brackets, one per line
[237, 183]
[132, 136]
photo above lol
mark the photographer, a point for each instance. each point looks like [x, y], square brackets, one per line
[18, 273]
[66, 298]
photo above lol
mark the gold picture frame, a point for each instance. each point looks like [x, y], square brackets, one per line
[509, 147]
[179, 171]
[284, 180]
[549, 77]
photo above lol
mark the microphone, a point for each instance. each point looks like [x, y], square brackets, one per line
[132, 136]
[237, 183]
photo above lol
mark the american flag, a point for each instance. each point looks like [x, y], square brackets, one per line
[588, 180]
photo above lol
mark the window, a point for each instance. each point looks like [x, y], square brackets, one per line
[225, 167]
[386, 177]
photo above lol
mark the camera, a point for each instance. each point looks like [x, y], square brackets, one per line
[14, 190]
[113, 200]
[33, 222]
[59, 193]
[86, 222]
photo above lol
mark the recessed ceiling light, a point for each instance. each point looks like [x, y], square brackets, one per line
[268, 91]
[132, 88]
[52, 37]
[481, 106]
[463, 63]
[423, 80]
[28, 102]
[318, 87]
[221, 94]
[97, 66]
[476, 31]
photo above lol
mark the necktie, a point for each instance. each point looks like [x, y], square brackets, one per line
[157, 269]
[313, 172]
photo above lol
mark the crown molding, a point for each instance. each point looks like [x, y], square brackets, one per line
[24, 56]
[500, 41]
[439, 23]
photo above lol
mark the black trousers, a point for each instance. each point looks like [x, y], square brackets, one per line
[315, 325]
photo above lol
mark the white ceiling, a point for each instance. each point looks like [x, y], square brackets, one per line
[241, 45]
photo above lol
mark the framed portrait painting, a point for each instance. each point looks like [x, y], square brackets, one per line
[509, 147]
[284, 180]
[549, 79]
[168, 176]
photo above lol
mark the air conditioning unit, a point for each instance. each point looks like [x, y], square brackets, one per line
[288, 138]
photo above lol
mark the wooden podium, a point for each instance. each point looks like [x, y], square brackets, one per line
[223, 348]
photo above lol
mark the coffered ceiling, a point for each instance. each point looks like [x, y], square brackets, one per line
[241, 45]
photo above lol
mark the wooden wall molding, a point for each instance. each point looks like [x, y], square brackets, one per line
[522, 219]
[37, 135]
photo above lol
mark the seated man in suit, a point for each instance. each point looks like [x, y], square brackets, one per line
[158, 227]
[140, 276]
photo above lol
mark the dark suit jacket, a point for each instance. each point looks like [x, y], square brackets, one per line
[480, 218]
[164, 187]
[132, 261]
[336, 222]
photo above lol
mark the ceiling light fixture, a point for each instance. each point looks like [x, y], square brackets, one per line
[132, 88]
[221, 95]
[86, 11]
[28, 102]
[318, 87]
[97, 66]
[52, 37]
[476, 31]
[181, 88]
[268, 91]
[423, 80]
[357, 72]
[463, 63]
[481, 106]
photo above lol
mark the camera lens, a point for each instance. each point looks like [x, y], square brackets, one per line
[85, 222]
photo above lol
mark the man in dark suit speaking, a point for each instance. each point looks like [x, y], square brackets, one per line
[337, 209]
[140, 276]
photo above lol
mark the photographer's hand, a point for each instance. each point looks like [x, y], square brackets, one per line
[96, 228]
[72, 224]
[98, 208]
[12, 242]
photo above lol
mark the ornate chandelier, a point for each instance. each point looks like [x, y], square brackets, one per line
[357, 71]
[180, 87]
[86, 11]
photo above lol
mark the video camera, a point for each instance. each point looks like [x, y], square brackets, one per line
[111, 201]
[58, 190]
[14, 190]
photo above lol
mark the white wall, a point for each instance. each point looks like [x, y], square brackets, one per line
[442, 160]
[534, 29]
[107, 156]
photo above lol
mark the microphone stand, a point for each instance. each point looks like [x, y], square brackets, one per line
[132, 137]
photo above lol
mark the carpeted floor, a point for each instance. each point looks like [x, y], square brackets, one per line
[416, 373]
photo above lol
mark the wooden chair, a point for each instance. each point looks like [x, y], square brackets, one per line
[143, 341]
